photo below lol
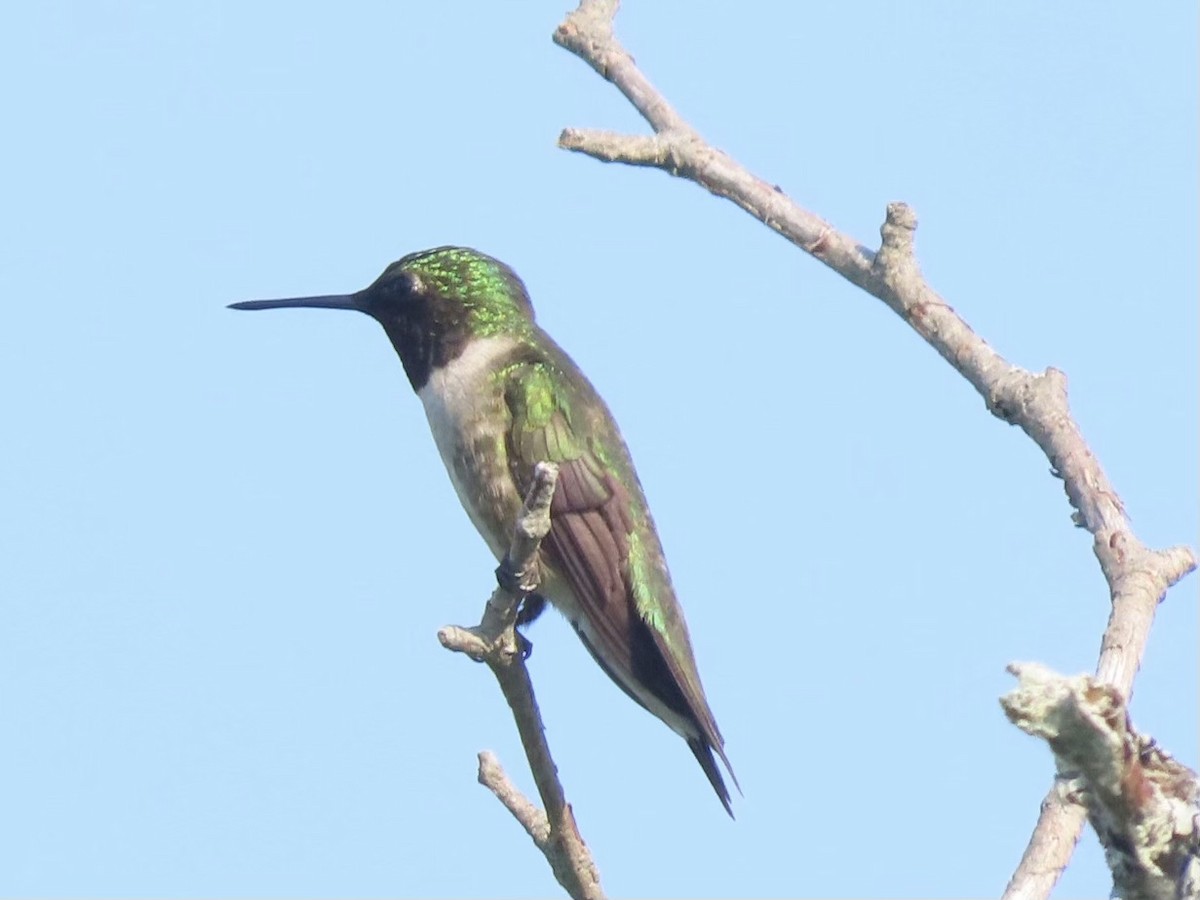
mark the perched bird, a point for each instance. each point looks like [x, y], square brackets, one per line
[502, 396]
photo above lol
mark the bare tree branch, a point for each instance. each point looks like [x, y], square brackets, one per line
[1144, 805]
[495, 642]
[1137, 576]
[493, 777]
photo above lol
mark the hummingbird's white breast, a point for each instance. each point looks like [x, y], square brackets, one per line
[469, 420]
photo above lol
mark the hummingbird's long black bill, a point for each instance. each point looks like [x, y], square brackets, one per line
[327, 301]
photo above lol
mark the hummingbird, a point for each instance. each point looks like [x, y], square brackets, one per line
[501, 396]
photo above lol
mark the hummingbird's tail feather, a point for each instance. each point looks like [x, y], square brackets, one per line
[720, 751]
[671, 705]
[704, 755]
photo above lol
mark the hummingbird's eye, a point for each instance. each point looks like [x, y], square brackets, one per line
[409, 285]
[397, 289]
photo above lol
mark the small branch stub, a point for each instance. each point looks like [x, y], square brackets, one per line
[896, 260]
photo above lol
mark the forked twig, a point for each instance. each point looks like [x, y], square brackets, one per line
[1138, 577]
[494, 641]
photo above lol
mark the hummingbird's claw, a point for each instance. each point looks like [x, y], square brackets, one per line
[524, 644]
[509, 578]
[531, 607]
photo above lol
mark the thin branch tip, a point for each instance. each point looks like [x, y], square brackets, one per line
[545, 479]
[464, 640]
[1177, 562]
[493, 777]
[901, 215]
[614, 147]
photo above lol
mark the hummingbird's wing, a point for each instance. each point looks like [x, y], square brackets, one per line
[603, 543]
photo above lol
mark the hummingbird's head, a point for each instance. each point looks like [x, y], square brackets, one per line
[432, 304]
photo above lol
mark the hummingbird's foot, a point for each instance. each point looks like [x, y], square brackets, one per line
[531, 606]
[510, 579]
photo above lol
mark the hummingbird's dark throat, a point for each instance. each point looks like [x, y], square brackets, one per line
[423, 344]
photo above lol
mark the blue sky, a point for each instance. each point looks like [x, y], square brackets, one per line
[228, 542]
